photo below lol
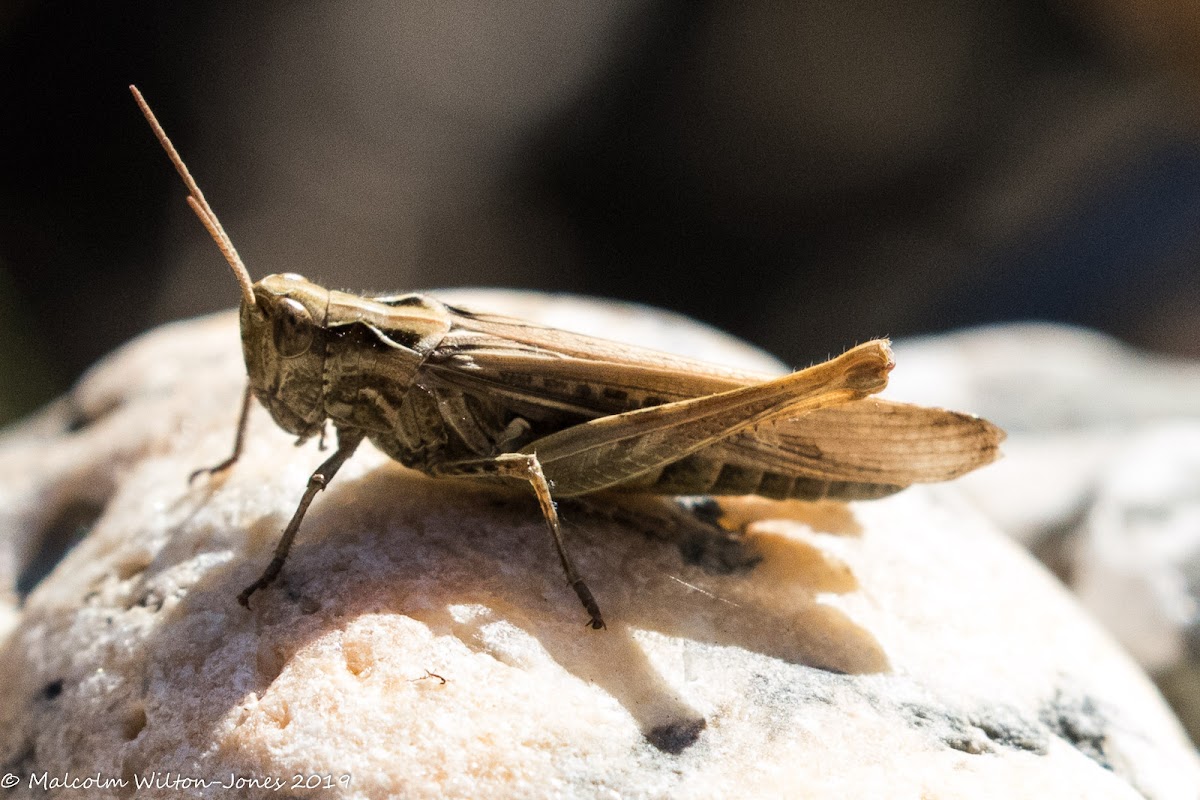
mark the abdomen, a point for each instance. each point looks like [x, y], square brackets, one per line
[698, 474]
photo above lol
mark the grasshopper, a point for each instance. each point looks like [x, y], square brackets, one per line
[455, 392]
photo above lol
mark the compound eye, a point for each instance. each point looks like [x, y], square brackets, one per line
[292, 329]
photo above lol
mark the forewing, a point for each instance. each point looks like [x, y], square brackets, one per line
[531, 365]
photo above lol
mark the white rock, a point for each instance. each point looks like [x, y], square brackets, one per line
[1138, 563]
[1069, 399]
[900, 648]
[1101, 475]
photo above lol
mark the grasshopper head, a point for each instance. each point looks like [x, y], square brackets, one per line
[283, 318]
[283, 341]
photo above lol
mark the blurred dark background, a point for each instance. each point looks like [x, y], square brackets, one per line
[805, 175]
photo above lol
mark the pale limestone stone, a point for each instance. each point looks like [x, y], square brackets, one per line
[421, 641]
[1101, 477]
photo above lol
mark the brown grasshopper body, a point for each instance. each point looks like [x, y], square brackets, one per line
[454, 392]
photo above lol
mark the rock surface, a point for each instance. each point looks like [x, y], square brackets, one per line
[1101, 477]
[421, 641]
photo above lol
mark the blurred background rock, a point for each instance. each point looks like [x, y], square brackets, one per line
[805, 175]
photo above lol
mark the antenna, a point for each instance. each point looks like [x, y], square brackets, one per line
[198, 204]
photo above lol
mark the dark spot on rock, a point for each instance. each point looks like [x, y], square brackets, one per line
[1054, 545]
[712, 548]
[152, 599]
[947, 726]
[1006, 727]
[1076, 719]
[78, 418]
[130, 568]
[979, 731]
[64, 530]
[964, 742]
[819, 686]
[718, 553]
[704, 508]
[25, 759]
[135, 722]
[309, 605]
[675, 737]
[1191, 634]
[52, 689]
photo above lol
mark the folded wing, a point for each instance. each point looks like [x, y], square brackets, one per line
[861, 448]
